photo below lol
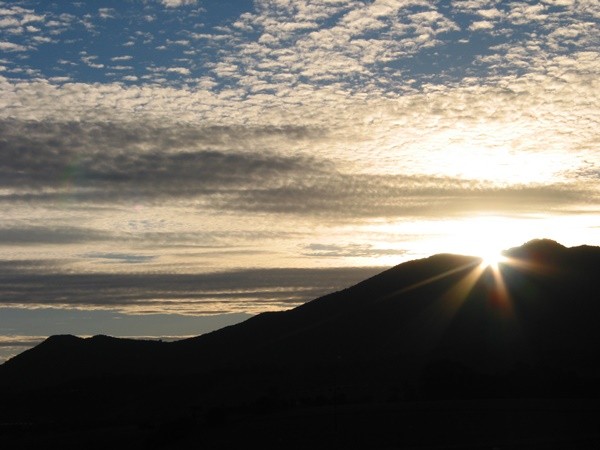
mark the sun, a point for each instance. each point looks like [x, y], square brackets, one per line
[492, 259]
[485, 237]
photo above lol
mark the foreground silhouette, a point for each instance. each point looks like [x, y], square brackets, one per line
[437, 352]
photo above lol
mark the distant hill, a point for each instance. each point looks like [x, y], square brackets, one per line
[434, 328]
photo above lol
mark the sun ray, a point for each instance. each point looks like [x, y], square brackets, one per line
[500, 297]
[429, 280]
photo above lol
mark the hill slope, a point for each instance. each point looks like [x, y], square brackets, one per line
[363, 360]
[541, 310]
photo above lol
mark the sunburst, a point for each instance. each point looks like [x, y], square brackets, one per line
[493, 259]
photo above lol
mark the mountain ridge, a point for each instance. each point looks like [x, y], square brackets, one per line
[441, 343]
[356, 323]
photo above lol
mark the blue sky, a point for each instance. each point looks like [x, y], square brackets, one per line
[184, 43]
[146, 139]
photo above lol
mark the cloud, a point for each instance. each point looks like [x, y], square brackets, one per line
[348, 251]
[521, 14]
[179, 70]
[20, 341]
[381, 196]
[13, 345]
[481, 25]
[9, 22]
[11, 47]
[102, 162]
[364, 46]
[304, 116]
[106, 13]
[122, 58]
[177, 3]
[89, 61]
[350, 49]
[491, 13]
[53, 235]
[259, 162]
[247, 291]
[107, 160]
[119, 257]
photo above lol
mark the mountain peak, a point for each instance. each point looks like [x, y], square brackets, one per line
[61, 339]
[536, 247]
[543, 244]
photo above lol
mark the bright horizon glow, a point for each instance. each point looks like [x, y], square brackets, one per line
[481, 235]
[493, 260]
[485, 236]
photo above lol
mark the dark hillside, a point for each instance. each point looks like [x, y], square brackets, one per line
[443, 328]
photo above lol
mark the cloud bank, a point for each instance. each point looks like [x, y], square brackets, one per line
[278, 134]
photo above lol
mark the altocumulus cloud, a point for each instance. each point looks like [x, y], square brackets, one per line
[177, 3]
[252, 139]
[99, 162]
[116, 159]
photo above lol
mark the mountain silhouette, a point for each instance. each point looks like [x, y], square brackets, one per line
[445, 327]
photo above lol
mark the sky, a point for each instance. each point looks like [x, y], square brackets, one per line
[168, 167]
